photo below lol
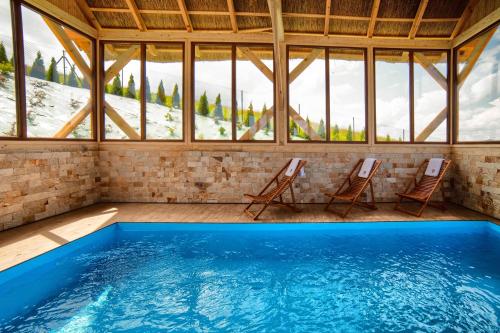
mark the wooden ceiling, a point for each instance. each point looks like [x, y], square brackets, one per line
[412, 19]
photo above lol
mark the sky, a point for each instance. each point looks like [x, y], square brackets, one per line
[479, 97]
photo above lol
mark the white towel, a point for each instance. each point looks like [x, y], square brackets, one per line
[366, 168]
[434, 167]
[293, 165]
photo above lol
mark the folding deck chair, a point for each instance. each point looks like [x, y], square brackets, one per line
[423, 189]
[269, 195]
[355, 187]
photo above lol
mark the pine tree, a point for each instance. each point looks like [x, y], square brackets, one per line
[38, 67]
[218, 108]
[131, 93]
[362, 135]
[12, 61]
[160, 94]
[321, 129]
[203, 105]
[116, 86]
[176, 98]
[293, 128]
[148, 90]
[72, 80]
[52, 74]
[309, 128]
[349, 133]
[388, 138]
[250, 116]
[3, 54]
[267, 127]
[336, 133]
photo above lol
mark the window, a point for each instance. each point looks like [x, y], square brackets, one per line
[163, 91]
[478, 88]
[8, 114]
[411, 96]
[326, 94]
[58, 81]
[233, 92]
[122, 100]
[392, 87]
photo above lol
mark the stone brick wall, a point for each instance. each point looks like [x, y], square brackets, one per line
[476, 179]
[159, 175]
[42, 180]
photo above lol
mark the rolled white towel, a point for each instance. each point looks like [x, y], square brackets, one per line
[434, 166]
[366, 168]
[293, 165]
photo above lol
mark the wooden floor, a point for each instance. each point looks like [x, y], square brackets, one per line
[25, 242]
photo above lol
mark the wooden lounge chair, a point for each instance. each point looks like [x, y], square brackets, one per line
[274, 195]
[352, 188]
[422, 190]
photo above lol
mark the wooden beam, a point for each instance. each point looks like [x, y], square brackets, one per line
[304, 64]
[136, 15]
[418, 18]
[232, 15]
[482, 24]
[465, 16]
[70, 48]
[481, 44]
[185, 15]
[433, 125]
[373, 18]
[74, 121]
[429, 67]
[257, 62]
[120, 122]
[121, 62]
[297, 118]
[328, 6]
[89, 15]
[259, 124]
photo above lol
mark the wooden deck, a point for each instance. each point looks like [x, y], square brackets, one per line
[25, 242]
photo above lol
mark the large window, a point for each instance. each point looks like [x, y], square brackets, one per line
[478, 88]
[233, 92]
[59, 78]
[8, 115]
[411, 96]
[143, 97]
[326, 94]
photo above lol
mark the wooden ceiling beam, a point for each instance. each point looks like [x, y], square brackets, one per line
[418, 18]
[464, 18]
[327, 17]
[89, 15]
[373, 18]
[137, 16]
[185, 15]
[234, 23]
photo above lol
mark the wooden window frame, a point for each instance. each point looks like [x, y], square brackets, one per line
[234, 110]
[327, 140]
[411, 64]
[455, 104]
[20, 82]
[143, 114]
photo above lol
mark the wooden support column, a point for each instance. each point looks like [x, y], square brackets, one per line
[370, 76]
[120, 122]
[121, 62]
[74, 121]
[304, 64]
[188, 97]
[257, 62]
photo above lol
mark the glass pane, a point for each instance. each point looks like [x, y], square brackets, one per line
[347, 95]
[8, 121]
[122, 102]
[164, 91]
[58, 79]
[392, 78]
[212, 92]
[479, 88]
[307, 94]
[255, 93]
[430, 96]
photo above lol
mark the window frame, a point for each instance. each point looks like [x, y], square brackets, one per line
[326, 49]
[411, 86]
[455, 103]
[20, 84]
[234, 134]
[102, 90]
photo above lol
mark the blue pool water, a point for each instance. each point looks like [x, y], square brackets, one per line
[351, 277]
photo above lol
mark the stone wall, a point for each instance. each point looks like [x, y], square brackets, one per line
[41, 180]
[476, 179]
[163, 175]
